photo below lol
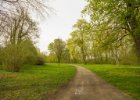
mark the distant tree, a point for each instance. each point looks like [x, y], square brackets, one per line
[66, 56]
[51, 58]
[57, 47]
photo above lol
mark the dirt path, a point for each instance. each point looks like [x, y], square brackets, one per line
[87, 86]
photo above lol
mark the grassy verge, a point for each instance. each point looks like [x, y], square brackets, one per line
[126, 78]
[34, 81]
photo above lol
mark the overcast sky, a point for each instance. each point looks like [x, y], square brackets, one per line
[59, 23]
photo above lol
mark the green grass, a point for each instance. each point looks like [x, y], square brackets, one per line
[33, 82]
[126, 78]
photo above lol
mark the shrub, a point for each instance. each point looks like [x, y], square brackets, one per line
[14, 56]
[40, 61]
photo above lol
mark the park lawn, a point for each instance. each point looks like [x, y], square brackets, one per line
[34, 82]
[124, 77]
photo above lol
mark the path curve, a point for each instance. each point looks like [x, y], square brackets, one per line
[88, 86]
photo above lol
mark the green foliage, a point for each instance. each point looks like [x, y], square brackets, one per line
[126, 78]
[110, 35]
[30, 52]
[41, 59]
[129, 59]
[34, 82]
[57, 48]
[115, 21]
[78, 43]
[51, 58]
[74, 50]
[17, 35]
[13, 58]
[15, 55]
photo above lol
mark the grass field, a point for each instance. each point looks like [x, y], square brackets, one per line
[33, 82]
[126, 78]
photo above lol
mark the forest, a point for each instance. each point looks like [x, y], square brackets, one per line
[108, 32]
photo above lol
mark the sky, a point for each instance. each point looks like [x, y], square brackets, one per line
[59, 23]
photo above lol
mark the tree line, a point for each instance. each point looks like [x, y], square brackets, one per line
[18, 32]
[107, 32]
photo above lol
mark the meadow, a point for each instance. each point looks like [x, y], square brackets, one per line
[34, 82]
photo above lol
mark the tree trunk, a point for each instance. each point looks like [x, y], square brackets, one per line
[59, 60]
[137, 44]
[83, 55]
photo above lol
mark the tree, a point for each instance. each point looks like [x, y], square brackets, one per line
[51, 58]
[57, 47]
[74, 50]
[117, 15]
[20, 27]
[10, 6]
[79, 37]
[17, 36]
[18, 32]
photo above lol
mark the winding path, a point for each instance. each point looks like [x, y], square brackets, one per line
[87, 86]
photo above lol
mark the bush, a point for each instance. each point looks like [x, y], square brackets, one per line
[14, 56]
[31, 53]
[40, 61]
[129, 60]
